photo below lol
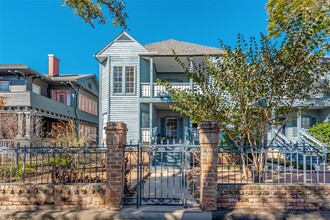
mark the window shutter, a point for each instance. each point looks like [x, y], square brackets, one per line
[162, 127]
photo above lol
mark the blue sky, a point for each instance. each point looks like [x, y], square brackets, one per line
[32, 29]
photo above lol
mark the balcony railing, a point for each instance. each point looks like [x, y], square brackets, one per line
[160, 91]
[145, 135]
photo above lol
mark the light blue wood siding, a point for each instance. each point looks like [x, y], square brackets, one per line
[123, 107]
[145, 70]
[126, 110]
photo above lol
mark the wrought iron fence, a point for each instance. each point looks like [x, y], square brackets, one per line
[164, 173]
[288, 164]
[52, 164]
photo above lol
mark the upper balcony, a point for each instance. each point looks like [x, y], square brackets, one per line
[158, 91]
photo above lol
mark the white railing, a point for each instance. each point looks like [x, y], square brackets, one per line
[159, 90]
[145, 88]
[145, 134]
[280, 138]
[310, 139]
[146, 137]
[4, 143]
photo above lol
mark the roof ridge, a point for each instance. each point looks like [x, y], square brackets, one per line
[179, 41]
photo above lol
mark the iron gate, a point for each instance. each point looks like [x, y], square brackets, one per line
[161, 174]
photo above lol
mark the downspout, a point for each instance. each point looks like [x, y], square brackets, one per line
[76, 92]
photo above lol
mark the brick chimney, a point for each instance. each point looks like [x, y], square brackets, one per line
[53, 66]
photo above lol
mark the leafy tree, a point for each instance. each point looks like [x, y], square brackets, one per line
[248, 88]
[321, 131]
[301, 17]
[90, 10]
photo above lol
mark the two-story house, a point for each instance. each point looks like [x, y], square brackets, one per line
[129, 92]
[128, 88]
[37, 102]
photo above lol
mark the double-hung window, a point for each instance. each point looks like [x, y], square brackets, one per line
[123, 79]
[118, 79]
[129, 79]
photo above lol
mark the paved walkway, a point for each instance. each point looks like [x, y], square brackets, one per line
[159, 213]
[163, 182]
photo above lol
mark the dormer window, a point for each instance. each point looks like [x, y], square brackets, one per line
[90, 85]
[36, 89]
[62, 96]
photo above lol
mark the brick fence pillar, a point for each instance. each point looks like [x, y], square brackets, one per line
[115, 139]
[209, 139]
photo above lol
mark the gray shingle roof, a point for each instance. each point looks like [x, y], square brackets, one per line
[70, 77]
[27, 70]
[181, 48]
[13, 66]
[21, 68]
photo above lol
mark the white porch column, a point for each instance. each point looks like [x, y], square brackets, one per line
[27, 125]
[151, 111]
[151, 77]
[19, 125]
[298, 128]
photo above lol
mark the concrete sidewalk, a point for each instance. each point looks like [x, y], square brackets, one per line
[158, 212]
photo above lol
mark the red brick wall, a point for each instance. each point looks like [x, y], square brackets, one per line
[274, 197]
[37, 196]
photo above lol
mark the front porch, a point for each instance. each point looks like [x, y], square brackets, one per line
[159, 124]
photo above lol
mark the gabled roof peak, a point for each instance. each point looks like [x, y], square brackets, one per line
[123, 36]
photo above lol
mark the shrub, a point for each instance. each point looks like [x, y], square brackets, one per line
[321, 132]
[15, 171]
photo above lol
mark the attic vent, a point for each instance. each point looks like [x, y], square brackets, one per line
[124, 38]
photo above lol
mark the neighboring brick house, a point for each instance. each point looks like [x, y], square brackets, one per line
[39, 101]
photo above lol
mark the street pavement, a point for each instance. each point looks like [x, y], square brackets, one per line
[160, 212]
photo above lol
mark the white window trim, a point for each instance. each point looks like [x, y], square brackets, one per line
[123, 74]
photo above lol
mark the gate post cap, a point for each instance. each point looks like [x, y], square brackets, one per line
[208, 125]
[116, 126]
